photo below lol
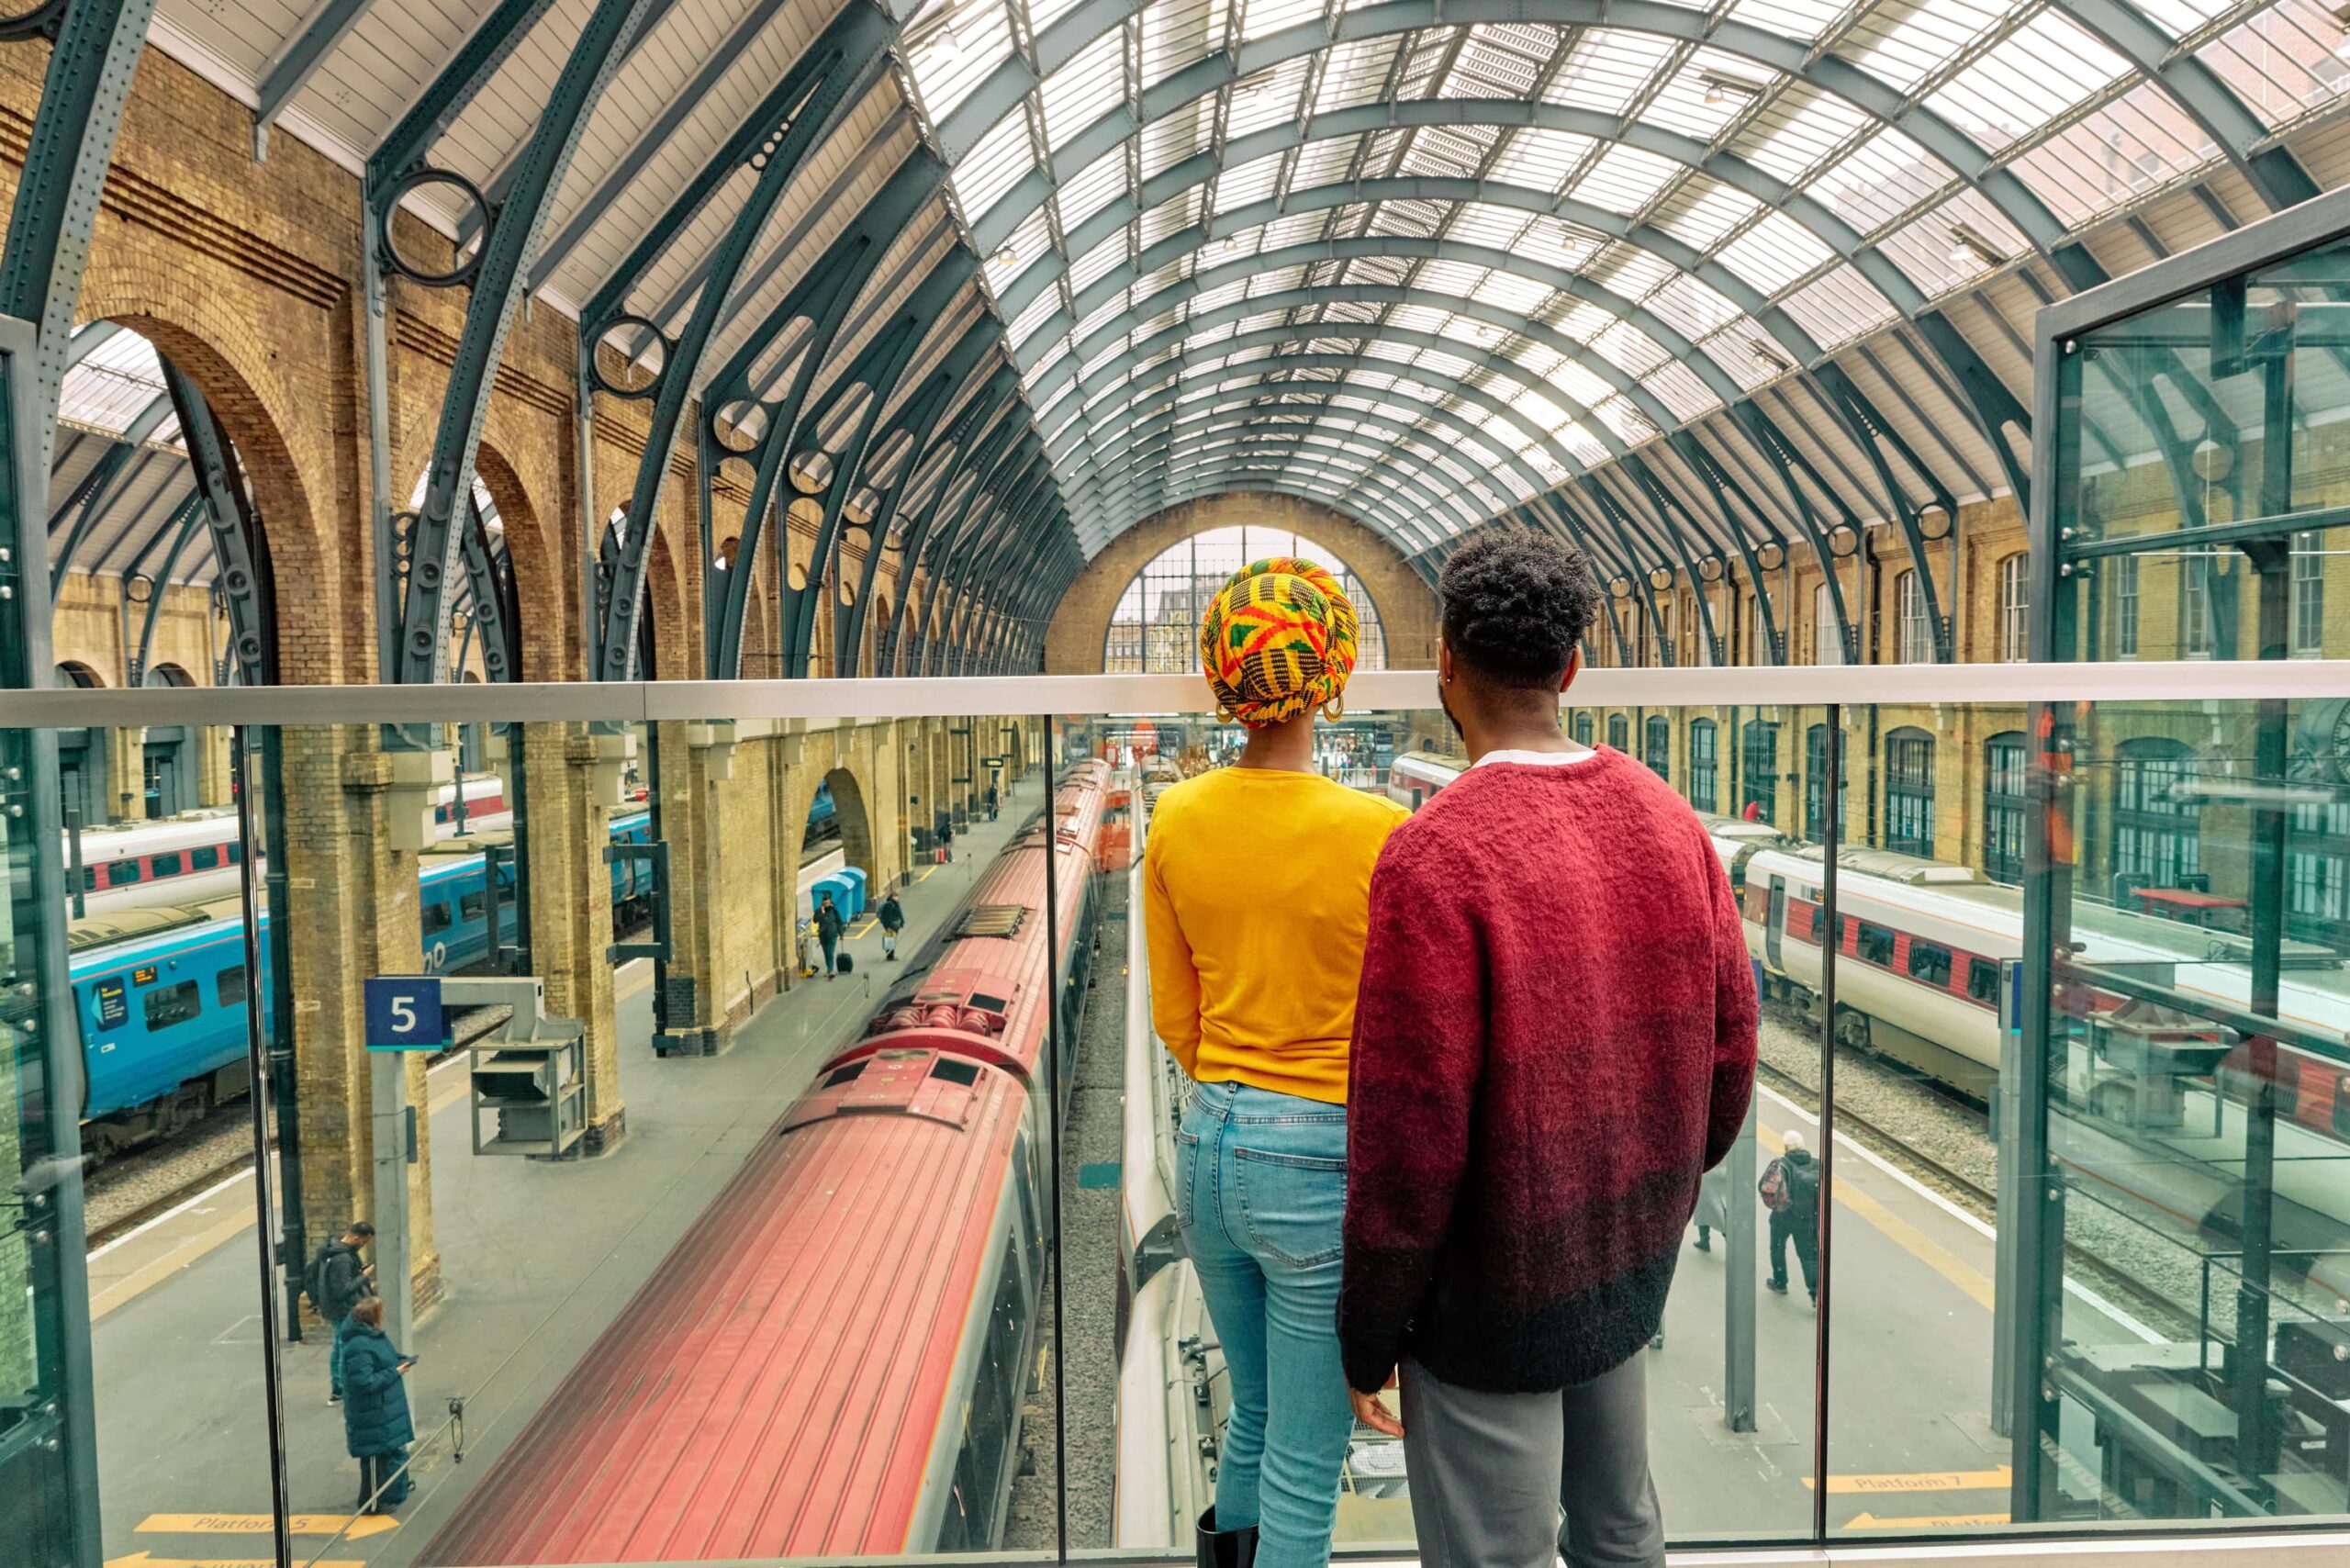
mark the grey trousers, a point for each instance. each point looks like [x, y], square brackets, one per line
[1491, 1473]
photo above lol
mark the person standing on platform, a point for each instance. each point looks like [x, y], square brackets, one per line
[377, 1428]
[338, 1281]
[991, 803]
[946, 843]
[1790, 1189]
[1541, 1073]
[828, 932]
[892, 917]
[1713, 1206]
[1255, 883]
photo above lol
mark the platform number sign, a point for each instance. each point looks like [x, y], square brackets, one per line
[404, 1013]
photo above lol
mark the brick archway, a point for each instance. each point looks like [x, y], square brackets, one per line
[1080, 624]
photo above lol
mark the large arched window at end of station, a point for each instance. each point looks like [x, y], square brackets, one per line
[1156, 628]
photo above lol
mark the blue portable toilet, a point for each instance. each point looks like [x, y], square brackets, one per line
[836, 886]
[855, 877]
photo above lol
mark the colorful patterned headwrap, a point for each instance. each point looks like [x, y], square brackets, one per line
[1278, 640]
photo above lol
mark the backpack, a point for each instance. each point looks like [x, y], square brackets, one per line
[314, 1281]
[1773, 1186]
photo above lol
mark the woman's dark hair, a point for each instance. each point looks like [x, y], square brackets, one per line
[1515, 605]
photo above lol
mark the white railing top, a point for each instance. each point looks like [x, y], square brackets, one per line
[833, 702]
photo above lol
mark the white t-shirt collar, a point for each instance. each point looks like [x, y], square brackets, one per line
[1537, 758]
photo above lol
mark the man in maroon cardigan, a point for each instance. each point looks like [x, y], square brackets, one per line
[1554, 1040]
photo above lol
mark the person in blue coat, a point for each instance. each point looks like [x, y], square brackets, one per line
[376, 1424]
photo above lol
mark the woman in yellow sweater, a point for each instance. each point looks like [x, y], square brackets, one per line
[1257, 885]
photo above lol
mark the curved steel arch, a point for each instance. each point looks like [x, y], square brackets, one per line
[1399, 488]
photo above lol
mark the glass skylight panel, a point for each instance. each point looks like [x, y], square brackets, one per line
[1607, 69]
[1585, 446]
[1802, 19]
[1417, 219]
[1580, 319]
[1420, 318]
[1173, 216]
[2028, 79]
[1178, 33]
[1184, 133]
[1881, 179]
[1703, 210]
[1631, 426]
[1093, 188]
[1113, 252]
[1692, 308]
[1839, 307]
[1039, 310]
[1711, 89]
[1541, 160]
[1904, 43]
[1501, 61]
[1262, 18]
[2179, 17]
[1774, 253]
[2283, 61]
[1630, 350]
[1424, 57]
[2114, 155]
[1509, 291]
[1052, 356]
[1747, 355]
[1089, 87]
[1278, 280]
[1677, 386]
[994, 164]
[1101, 316]
[1355, 72]
[1533, 405]
[1445, 151]
[1798, 130]
[1324, 163]
[1251, 181]
[952, 59]
[1632, 272]
[112, 385]
[1265, 99]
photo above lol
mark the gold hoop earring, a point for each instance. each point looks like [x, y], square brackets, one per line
[1335, 709]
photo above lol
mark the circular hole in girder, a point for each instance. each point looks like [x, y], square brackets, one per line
[138, 588]
[2213, 461]
[863, 506]
[1843, 540]
[414, 251]
[1710, 567]
[1620, 588]
[1659, 577]
[1771, 556]
[1934, 525]
[811, 472]
[630, 353]
[740, 425]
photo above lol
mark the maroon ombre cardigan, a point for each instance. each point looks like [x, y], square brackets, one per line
[1555, 1038]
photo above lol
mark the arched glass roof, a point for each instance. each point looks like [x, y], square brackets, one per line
[1688, 282]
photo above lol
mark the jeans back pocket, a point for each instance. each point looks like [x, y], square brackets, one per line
[1293, 1205]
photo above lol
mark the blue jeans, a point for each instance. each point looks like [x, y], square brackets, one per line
[1262, 1191]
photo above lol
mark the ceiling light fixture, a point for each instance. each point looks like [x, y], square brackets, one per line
[1005, 256]
[1967, 244]
[1720, 86]
[1768, 356]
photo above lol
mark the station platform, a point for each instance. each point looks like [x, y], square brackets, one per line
[535, 1259]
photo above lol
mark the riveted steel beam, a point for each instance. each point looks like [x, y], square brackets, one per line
[245, 579]
[422, 652]
[91, 61]
[102, 485]
[500, 658]
[790, 123]
[1876, 438]
[185, 525]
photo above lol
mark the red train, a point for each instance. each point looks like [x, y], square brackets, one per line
[832, 1361]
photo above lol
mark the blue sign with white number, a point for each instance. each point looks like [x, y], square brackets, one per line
[404, 1013]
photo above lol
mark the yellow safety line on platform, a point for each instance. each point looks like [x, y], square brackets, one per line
[151, 1274]
[1904, 1235]
[148, 1560]
[1937, 1521]
[356, 1526]
[1921, 1480]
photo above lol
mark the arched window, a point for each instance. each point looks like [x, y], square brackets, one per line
[1619, 731]
[1659, 747]
[1582, 728]
[1759, 783]
[1916, 645]
[2004, 807]
[1815, 786]
[2015, 606]
[2157, 835]
[1827, 636]
[1910, 792]
[2122, 576]
[1704, 735]
[1155, 629]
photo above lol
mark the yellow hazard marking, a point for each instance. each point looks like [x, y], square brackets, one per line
[356, 1525]
[171, 1261]
[1937, 1521]
[148, 1560]
[1921, 1481]
[1909, 1237]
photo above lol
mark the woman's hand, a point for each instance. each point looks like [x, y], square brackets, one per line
[1373, 1412]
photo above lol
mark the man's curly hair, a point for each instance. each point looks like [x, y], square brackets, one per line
[1515, 605]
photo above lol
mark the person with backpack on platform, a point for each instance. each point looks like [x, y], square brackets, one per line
[893, 916]
[337, 1280]
[828, 932]
[1790, 1189]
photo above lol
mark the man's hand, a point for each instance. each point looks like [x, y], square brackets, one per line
[1372, 1413]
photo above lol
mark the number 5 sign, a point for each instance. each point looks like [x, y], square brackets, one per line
[404, 1013]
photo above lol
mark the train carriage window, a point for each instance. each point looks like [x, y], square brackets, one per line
[1930, 962]
[231, 987]
[1983, 980]
[122, 873]
[435, 918]
[472, 905]
[90, 878]
[1874, 944]
[236, 852]
[164, 865]
[203, 857]
[168, 1004]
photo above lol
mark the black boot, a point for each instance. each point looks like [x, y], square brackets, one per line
[1223, 1548]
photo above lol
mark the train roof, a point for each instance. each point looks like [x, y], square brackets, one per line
[777, 1387]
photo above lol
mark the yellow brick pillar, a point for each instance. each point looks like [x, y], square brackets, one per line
[126, 773]
[571, 777]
